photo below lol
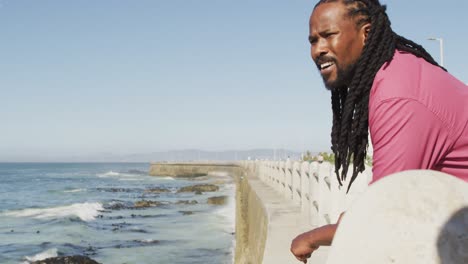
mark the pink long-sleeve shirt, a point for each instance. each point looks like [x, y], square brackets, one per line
[418, 118]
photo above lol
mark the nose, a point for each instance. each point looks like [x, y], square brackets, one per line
[320, 48]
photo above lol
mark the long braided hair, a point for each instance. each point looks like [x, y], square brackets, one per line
[349, 136]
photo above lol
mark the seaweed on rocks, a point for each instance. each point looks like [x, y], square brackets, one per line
[218, 200]
[199, 188]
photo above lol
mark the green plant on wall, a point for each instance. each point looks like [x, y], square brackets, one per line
[368, 160]
[308, 157]
[329, 157]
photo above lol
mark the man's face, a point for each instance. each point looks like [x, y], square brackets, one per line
[336, 43]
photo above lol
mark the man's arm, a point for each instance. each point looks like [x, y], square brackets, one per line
[306, 243]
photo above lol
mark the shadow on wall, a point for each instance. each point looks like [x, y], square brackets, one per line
[452, 242]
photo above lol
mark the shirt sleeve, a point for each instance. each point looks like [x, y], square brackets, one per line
[406, 135]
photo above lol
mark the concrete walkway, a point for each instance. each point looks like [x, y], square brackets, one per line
[285, 222]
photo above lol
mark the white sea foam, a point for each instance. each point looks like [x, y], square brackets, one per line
[148, 240]
[228, 214]
[131, 176]
[85, 211]
[74, 190]
[162, 178]
[129, 179]
[50, 253]
[108, 174]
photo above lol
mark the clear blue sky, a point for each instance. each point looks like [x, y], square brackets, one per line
[87, 77]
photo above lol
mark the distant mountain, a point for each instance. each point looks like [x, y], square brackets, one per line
[173, 155]
[199, 155]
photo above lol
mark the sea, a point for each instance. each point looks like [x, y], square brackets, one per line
[63, 209]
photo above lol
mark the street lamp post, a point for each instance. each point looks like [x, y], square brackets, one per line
[441, 46]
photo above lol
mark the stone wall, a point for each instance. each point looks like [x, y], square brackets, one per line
[251, 223]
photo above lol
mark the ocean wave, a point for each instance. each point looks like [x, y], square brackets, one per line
[84, 211]
[147, 241]
[108, 174]
[50, 253]
[131, 176]
[228, 212]
[74, 190]
[162, 178]
[127, 175]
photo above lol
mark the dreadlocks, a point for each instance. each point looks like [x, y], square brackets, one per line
[349, 136]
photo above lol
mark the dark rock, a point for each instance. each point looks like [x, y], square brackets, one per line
[147, 203]
[67, 260]
[126, 190]
[218, 200]
[186, 212]
[90, 251]
[117, 217]
[200, 188]
[138, 231]
[157, 190]
[187, 202]
[116, 206]
[147, 242]
[120, 225]
[190, 175]
[198, 192]
[148, 216]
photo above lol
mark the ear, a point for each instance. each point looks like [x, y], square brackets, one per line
[365, 31]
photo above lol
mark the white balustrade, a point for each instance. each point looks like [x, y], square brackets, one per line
[288, 192]
[311, 185]
[282, 177]
[305, 188]
[296, 183]
[314, 193]
[277, 183]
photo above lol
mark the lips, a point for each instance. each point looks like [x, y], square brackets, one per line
[325, 65]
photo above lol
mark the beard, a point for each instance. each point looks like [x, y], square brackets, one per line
[344, 77]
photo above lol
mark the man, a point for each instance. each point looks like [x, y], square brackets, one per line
[416, 112]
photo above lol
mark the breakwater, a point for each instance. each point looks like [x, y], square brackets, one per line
[190, 169]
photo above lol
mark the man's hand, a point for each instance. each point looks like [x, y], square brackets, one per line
[302, 246]
[306, 243]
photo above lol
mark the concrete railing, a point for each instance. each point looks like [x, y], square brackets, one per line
[311, 185]
[417, 216]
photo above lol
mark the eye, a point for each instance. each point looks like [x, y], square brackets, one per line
[329, 34]
[312, 40]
